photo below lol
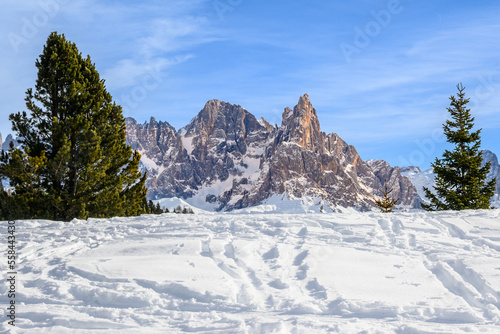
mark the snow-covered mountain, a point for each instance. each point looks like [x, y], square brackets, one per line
[227, 159]
[352, 272]
[4, 145]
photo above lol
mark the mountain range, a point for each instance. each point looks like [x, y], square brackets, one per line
[227, 159]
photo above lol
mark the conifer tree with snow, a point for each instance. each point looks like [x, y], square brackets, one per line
[73, 161]
[460, 181]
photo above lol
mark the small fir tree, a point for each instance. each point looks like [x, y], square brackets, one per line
[73, 161]
[158, 208]
[386, 203]
[151, 208]
[460, 181]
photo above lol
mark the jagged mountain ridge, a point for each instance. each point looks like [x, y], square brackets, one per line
[228, 158]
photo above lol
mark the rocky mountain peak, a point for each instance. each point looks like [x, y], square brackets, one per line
[303, 111]
[302, 125]
[490, 156]
[220, 119]
[206, 118]
[305, 103]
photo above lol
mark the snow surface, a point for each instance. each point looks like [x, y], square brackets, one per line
[284, 203]
[352, 272]
[150, 165]
[187, 143]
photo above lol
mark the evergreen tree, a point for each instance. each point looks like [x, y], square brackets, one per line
[151, 208]
[147, 205]
[386, 203]
[158, 208]
[460, 181]
[73, 161]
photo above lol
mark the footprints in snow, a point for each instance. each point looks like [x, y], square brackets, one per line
[396, 234]
[273, 253]
[248, 271]
[301, 273]
[253, 288]
[316, 290]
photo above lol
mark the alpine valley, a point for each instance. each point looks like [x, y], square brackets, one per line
[226, 159]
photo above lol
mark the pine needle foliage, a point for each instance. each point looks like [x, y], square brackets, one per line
[73, 161]
[387, 202]
[460, 181]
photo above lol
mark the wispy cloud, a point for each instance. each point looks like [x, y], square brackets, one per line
[162, 41]
[167, 58]
[128, 72]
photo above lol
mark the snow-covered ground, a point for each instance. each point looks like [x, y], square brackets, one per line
[350, 272]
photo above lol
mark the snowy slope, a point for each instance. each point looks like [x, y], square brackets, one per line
[260, 273]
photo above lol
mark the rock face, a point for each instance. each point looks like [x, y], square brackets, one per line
[401, 186]
[228, 158]
[494, 169]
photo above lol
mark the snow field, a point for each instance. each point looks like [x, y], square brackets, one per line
[351, 272]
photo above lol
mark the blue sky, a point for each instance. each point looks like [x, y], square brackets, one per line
[379, 73]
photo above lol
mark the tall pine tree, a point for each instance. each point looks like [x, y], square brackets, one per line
[460, 181]
[73, 161]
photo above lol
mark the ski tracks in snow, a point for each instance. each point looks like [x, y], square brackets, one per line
[446, 258]
[255, 273]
